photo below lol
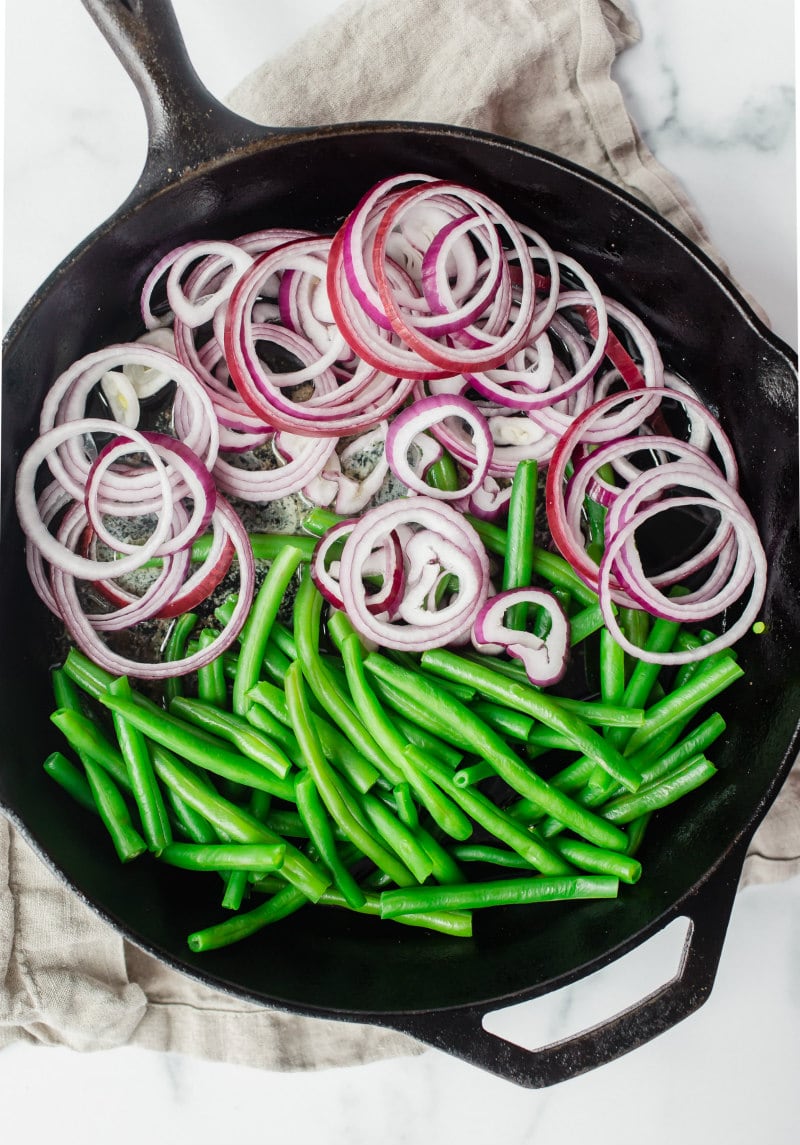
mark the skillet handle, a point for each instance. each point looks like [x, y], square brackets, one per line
[187, 126]
[461, 1032]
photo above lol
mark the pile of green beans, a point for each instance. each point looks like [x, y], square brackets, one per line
[303, 768]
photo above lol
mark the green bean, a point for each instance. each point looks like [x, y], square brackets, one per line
[491, 818]
[518, 562]
[447, 816]
[336, 747]
[495, 539]
[410, 661]
[225, 856]
[403, 704]
[88, 740]
[541, 707]
[234, 729]
[585, 623]
[457, 924]
[307, 615]
[235, 823]
[315, 818]
[612, 669]
[86, 674]
[113, 811]
[317, 521]
[194, 826]
[599, 861]
[262, 616]
[175, 648]
[515, 725]
[212, 686]
[502, 892]
[497, 856]
[284, 903]
[258, 717]
[635, 623]
[636, 832]
[143, 783]
[443, 474]
[67, 776]
[592, 712]
[180, 737]
[337, 804]
[643, 675]
[406, 807]
[474, 773]
[476, 736]
[236, 882]
[283, 639]
[553, 567]
[398, 837]
[425, 740]
[685, 701]
[661, 793]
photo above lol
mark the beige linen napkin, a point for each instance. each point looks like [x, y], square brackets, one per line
[535, 70]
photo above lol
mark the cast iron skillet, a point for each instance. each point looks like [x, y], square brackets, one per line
[209, 172]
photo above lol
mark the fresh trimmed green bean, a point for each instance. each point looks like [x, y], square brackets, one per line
[194, 826]
[585, 623]
[598, 861]
[234, 729]
[315, 818]
[406, 807]
[260, 621]
[447, 816]
[317, 521]
[661, 793]
[264, 721]
[398, 837]
[553, 567]
[67, 776]
[704, 686]
[225, 856]
[456, 924]
[89, 677]
[175, 649]
[236, 824]
[542, 707]
[491, 818]
[330, 790]
[180, 737]
[443, 474]
[474, 773]
[284, 903]
[636, 832]
[113, 811]
[497, 856]
[143, 783]
[87, 739]
[236, 882]
[323, 685]
[502, 892]
[336, 747]
[518, 562]
[612, 669]
[212, 687]
[515, 725]
[495, 539]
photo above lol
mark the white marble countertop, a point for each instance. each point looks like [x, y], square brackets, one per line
[714, 98]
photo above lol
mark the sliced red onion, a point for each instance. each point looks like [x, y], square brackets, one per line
[545, 659]
[386, 561]
[79, 625]
[193, 311]
[412, 422]
[753, 557]
[43, 450]
[450, 544]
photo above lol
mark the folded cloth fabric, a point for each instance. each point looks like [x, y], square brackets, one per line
[535, 70]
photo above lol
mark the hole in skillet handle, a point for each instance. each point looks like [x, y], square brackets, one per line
[187, 126]
[493, 1039]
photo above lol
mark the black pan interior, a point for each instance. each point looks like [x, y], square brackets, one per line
[324, 961]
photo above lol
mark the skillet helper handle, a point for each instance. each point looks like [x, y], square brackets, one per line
[461, 1032]
[187, 126]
